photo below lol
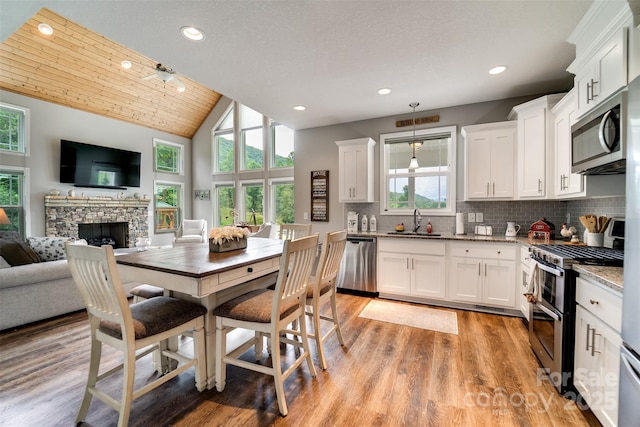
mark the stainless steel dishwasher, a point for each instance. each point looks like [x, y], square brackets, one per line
[357, 274]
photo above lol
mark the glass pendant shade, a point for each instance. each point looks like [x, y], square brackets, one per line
[413, 164]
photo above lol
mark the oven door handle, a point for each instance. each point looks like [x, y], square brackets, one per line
[549, 270]
[557, 317]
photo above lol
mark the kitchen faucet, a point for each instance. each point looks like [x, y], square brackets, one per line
[417, 220]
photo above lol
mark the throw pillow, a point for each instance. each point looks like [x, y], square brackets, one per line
[49, 248]
[16, 253]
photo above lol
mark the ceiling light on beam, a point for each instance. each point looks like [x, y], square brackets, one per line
[45, 29]
[299, 108]
[498, 69]
[192, 33]
[384, 91]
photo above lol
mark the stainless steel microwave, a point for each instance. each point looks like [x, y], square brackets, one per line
[598, 139]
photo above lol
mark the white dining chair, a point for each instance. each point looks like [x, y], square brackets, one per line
[135, 330]
[268, 313]
[293, 231]
[322, 289]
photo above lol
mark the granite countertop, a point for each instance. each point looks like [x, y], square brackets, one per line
[443, 236]
[611, 277]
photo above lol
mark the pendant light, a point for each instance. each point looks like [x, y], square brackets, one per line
[413, 164]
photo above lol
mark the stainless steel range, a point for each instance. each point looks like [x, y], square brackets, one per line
[552, 316]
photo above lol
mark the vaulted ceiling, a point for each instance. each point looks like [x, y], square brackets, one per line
[81, 69]
[271, 55]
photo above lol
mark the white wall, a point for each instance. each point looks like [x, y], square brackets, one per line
[51, 122]
[315, 150]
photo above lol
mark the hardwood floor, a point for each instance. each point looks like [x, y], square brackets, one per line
[386, 375]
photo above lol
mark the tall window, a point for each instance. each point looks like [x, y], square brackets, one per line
[223, 145]
[430, 187]
[224, 202]
[168, 203]
[251, 139]
[168, 156]
[282, 200]
[12, 200]
[253, 202]
[14, 128]
[282, 153]
[245, 156]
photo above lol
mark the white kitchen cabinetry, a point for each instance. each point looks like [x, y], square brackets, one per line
[489, 159]
[597, 348]
[525, 271]
[482, 274]
[408, 267]
[535, 146]
[569, 185]
[355, 170]
[603, 45]
[565, 183]
[603, 74]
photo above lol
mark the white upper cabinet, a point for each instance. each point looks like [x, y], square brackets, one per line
[602, 48]
[604, 74]
[489, 160]
[535, 147]
[565, 182]
[355, 175]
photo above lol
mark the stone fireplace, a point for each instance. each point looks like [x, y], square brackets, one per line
[122, 220]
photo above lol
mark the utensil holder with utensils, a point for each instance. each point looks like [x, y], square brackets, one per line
[594, 229]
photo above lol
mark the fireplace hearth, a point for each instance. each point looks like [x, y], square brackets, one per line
[121, 220]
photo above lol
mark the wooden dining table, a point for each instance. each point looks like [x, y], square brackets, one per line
[194, 273]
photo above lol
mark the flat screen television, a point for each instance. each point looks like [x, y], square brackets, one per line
[86, 165]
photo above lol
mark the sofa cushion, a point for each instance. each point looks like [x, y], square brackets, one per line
[39, 272]
[16, 253]
[49, 248]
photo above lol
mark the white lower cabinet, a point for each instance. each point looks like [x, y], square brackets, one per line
[412, 267]
[597, 349]
[523, 281]
[480, 273]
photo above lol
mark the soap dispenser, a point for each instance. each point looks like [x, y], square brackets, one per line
[372, 223]
[365, 223]
[429, 227]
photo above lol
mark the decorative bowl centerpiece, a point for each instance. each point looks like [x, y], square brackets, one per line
[228, 238]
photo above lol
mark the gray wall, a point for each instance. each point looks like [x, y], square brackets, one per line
[51, 122]
[316, 150]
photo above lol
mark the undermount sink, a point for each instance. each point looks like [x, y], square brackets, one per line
[413, 233]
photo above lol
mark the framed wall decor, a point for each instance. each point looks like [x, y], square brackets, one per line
[320, 196]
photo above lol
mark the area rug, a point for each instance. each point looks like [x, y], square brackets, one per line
[411, 315]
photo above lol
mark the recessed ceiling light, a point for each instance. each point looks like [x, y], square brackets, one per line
[384, 91]
[192, 33]
[181, 89]
[125, 64]
[299, 108]
[45, 29]
[497, 70]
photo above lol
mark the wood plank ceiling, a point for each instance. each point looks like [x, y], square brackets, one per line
[81, 69]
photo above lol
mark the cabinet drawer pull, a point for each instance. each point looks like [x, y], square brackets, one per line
[479, 271]
[593, 342]
[488, 190]
[594, 301]
[494, 189]
[250, 270]
[588, 328]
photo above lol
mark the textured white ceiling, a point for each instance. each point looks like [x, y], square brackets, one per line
[332, 56]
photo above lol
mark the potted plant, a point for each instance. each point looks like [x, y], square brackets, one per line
[228, 238]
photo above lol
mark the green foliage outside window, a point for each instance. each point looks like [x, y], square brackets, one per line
[225, 149]
[10, 200]
[167, 158]
[284, 203]
[253, 197]
[10, 128]
[225, 205]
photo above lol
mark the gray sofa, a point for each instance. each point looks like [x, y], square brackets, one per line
[38, 291]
